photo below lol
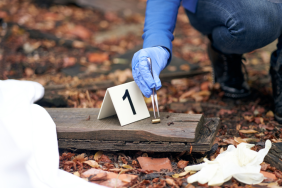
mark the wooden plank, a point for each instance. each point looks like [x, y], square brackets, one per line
[73, 124]
[274, 156]
[203, 143]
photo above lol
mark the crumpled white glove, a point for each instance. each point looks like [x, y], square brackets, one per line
[28, 141]
[242, 163]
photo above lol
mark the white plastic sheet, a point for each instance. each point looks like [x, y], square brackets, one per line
[28, 141]
[242, 163]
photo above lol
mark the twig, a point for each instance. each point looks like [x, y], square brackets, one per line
[137, 184]
[117, 178]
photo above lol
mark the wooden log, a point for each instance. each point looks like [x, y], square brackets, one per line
[274, 156]
[75, 131]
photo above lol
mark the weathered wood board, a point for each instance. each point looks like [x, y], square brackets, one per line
[75, 130]
[274, 156]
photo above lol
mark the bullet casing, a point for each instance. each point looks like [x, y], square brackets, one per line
[154, 121]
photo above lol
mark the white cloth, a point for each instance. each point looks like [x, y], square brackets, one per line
[28, 141]
[242, 163]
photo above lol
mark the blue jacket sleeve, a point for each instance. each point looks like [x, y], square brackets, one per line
[160, 22]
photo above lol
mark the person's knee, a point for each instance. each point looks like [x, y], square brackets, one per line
[246, 33]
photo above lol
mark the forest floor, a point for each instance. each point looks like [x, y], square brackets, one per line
[67, 48]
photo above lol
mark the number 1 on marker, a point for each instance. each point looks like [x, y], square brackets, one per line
[126, 95]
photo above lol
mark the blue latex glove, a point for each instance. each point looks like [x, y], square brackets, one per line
[141, 69]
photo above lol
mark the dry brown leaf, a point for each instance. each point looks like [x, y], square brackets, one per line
[238, 127]
[127, 166]
[182, 164]
[267, 127]
[193, 172]
[276, 140]
[79, 158]
[249, 118]
[79, 32]
[28, 72]
[99, 177]
[221, 150]
[189, 186]
[268, 175]
[264, 166]
[105, 159]
[224, 111]
[69, 61]
[180, 174]
[92, 163]
[98, 57]
[239, 140]
[230, 141]
[269, 114]
[189, 93]
[115, 170]
[248, 131]
[203, 93]
[98, 155]
[259, 120]
[76, 174]
[171, 182]
[205, 86]
[144, 155]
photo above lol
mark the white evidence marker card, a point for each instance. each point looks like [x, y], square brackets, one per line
[126, 101]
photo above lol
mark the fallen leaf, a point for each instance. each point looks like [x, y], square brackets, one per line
[230, 141]
[238, 127]
[193, 172]
[269, 114]
[113, 179]
[205, 86]
[248, 131]
[270, 176]
[258, 120]
[79, 158]
[92, 163]
[279, 182]
[157, 164]
[127, 166]
[79, 32]
[189, 186]
[171, 182]
[251, 140]
[189, 93]
[249, 118]
[145, 155]
[224, 111]
[76, 174]
[115, 170]
[266, 127]
[182, 164]
[180, 174]
[239, 140]
[69, 61]
[278, 174]
[221, 150]
[98, 155]
[98, 57]
[264, 166]
[28, 72]
[104, 159]
[98, 177]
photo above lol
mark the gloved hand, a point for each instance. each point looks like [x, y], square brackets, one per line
[242, 163]
[141, 69]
